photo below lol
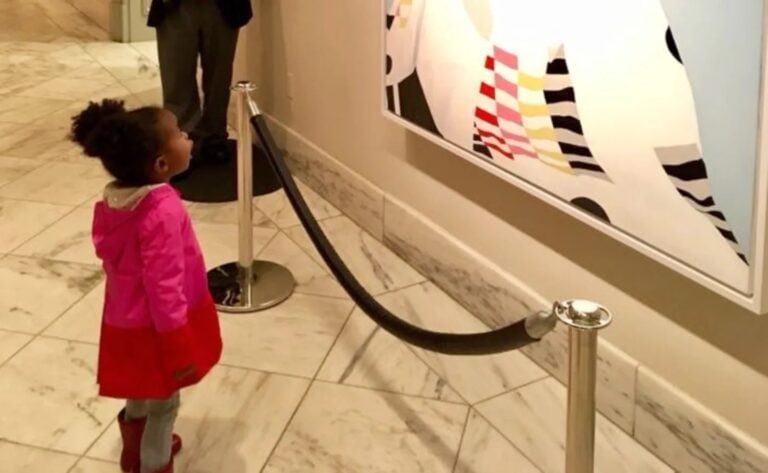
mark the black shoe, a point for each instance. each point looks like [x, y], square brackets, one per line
[197, 142]
[215, 150]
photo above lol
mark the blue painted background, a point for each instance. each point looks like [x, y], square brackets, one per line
[721, 43]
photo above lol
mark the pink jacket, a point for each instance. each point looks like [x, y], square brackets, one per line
[158, 317]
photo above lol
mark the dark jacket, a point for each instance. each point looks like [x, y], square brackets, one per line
[236, 13]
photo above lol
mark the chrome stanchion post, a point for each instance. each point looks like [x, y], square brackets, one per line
[244, 191]
[584, 320]
[248, 285]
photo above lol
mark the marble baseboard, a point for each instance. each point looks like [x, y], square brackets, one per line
[360, 200]
[675, 428]
[533, 418]
[690, 437]
[616, 374]
[490, 294]
[375, 266]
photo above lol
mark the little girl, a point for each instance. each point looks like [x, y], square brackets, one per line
[160, 328]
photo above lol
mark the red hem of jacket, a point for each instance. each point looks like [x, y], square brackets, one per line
[140, 363]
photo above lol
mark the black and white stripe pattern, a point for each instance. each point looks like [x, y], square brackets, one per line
[688, 172]
[478, 145]
[561, 101]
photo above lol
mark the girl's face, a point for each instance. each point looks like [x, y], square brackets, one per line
[177, 148]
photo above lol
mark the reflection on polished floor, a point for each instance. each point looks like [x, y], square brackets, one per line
[310, 386]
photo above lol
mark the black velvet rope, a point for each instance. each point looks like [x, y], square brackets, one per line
[501, 340]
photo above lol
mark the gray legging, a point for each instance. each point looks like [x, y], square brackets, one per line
[158, 431]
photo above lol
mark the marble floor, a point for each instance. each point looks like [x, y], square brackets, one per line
[309, 386]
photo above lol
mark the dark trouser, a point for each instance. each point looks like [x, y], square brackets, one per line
[196, 28]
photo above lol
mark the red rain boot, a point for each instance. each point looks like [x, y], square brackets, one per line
[131, 432]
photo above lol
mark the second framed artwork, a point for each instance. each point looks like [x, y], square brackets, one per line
[641, 117]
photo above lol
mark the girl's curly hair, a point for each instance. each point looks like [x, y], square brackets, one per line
[126, 142]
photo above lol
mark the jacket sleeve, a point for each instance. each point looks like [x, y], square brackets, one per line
[162, 254]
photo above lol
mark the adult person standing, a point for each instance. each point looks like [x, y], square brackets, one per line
[205, 29]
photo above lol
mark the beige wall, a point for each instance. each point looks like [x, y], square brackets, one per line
[707, 346]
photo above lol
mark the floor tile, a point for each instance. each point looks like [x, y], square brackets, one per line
[10, 343]
[122, 60]
[151, 97]
[292, 338]
[310, 277]
[24, 282]
[58, 183]
[485, 450]
[143, 85]
[230, 422]
[226, 212]
[367, 356]
[340, 429]
[148, 49]
[87, 465]
[91, 202]
[474, 377]
[219, 242]
[17, 109]
[23, 459]
[13, 168]
[8, 127]
[12, 82]
[92, 72]
[66, 88]
[20, 220]
[84, 29]
[41, 143]
[72, 22]
[51, 60]
[62, 120]
[26, 23]
[533, 418]
[277, 207]
[82, 322]
[50, 397]
[69, 240]
[377, 268]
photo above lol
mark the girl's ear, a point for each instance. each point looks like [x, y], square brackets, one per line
[160, 165]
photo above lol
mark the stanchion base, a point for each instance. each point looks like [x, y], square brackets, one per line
[271, 285]
[210, 181]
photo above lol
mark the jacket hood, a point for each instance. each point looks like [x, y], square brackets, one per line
[126, 198]
[114, 214]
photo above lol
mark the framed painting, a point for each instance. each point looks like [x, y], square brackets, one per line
[642, 118]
